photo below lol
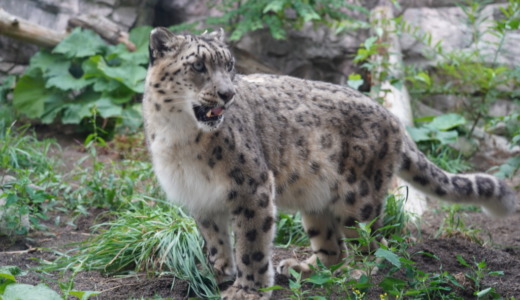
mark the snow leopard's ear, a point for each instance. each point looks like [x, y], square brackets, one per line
[218, 35]
[163, 41]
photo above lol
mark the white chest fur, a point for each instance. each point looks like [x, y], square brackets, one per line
[187, 181]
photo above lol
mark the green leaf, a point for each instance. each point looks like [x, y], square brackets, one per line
[67, 82]
[354, 81]
[447, 122]
[83, 295]
[369, 42]
[319, 278]
[446, 137]
[53, 106]
[140, 36]
[80, 43]
[7, 276]
[132, 117]
[131, 75]
[483, 292]
[272, 288]
[81, 108]
[25, 291]
[462, 261]
[496, 273]
[276, 6]
[29, 96]
[389, 256]
[392, 284]
[107, 109]
[424, 77]
[49, 64]
[420, 134]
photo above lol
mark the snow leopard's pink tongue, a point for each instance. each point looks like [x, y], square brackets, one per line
[217, 111]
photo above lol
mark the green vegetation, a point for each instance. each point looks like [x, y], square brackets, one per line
[10, 289]
[240, 17]
[153, 238]
[83, 80]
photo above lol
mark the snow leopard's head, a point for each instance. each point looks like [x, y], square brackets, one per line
[191, 75]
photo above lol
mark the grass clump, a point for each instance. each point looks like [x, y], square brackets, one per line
[156, 239]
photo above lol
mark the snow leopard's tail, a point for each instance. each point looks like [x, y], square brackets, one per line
[482, 189]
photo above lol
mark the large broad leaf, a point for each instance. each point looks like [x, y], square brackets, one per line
[140, 36]
[107, 109]
[53, 106]
[420, 134]
[25, 291]
[446, 137]
[132, 117]
[81, 108]
[131, 75]
[67, 82]
[447, 122]
[50, 64]
[29, 96]
[80, 43]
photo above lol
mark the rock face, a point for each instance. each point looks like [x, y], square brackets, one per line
[315, 53]
[54, 14]
[448, 25]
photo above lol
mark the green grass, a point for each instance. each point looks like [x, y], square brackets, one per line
[20, 150]
[148, 237]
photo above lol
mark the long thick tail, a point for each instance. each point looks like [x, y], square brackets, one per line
[482, 189]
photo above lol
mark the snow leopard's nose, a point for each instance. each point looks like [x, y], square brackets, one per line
[226, 95]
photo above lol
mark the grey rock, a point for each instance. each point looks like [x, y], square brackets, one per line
[125, 15]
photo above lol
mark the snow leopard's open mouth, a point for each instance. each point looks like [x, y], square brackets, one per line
[208, 113]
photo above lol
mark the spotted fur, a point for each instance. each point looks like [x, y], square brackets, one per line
[232, 148]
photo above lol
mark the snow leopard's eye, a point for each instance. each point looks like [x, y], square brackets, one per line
[199, 66]
[230, 65]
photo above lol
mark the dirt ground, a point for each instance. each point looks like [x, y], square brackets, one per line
[501, 252]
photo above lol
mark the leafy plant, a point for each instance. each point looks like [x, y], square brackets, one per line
[435, 137]
[441, 129]
[23, 206]
[243, 16]
[471, 74]
[81, 78]
[476, 275]
[10, 289]
[453, 226]
[6, 108]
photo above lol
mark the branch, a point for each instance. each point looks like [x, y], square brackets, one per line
[26, 31]
[23, 30]
[104, 27]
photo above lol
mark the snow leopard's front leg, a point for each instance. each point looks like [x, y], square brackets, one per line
[253, 222]
[215, 231]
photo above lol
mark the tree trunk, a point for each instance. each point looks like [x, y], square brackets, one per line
[397, 100]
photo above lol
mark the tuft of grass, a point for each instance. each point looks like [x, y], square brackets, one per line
[156, 239]
[289, 231]
[447, 158]
[453, 226]
[21, 150]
